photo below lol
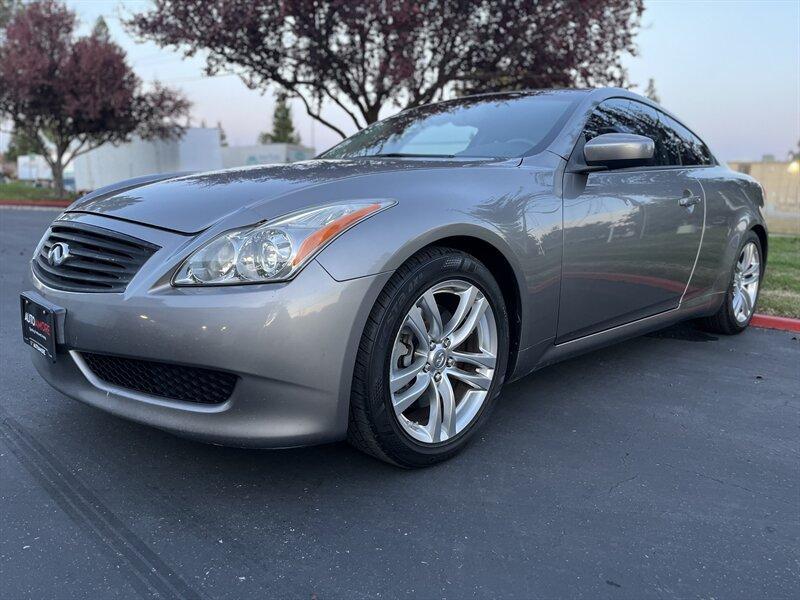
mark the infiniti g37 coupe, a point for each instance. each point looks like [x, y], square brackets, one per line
[384, 292]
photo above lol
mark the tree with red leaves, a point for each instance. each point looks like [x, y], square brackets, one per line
[69, 95]
[362, 55]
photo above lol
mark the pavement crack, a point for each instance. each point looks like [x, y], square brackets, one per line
[726, 483]
[619, 483]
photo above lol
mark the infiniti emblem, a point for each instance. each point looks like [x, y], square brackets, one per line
[58, 254]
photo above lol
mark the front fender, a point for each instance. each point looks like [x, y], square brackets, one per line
[384, 242]
[516, 211]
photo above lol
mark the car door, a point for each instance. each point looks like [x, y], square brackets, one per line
[631, 236]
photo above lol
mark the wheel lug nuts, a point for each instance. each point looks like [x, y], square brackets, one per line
[450, 362]
[446, 342]
[427, 367]
[438, 377]
[432, 346]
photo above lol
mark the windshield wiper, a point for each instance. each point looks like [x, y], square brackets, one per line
[408, 155]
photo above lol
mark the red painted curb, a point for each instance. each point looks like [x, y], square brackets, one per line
[770, 322]
[50, 203]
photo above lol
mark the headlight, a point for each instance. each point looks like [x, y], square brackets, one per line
[273, 251]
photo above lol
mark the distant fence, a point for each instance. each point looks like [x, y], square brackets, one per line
[781, 183]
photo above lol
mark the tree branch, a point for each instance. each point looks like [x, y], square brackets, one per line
[341, 105]
[318, 117]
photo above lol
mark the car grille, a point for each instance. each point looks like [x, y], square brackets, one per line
[176, 382]
[99, 260]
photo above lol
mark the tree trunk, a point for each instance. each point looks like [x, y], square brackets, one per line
[58, 178]
[371, 114]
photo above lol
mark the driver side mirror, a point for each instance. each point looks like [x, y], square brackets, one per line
[619, 150]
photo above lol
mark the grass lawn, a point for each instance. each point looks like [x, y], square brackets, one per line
[780, 292]
[19, 190]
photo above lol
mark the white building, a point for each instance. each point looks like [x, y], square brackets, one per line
[264, 154]
[197, 150]
[33, 167]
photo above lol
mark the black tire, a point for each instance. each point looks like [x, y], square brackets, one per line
[373, 427]
[724, 321]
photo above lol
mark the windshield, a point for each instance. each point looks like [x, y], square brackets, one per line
[503, 126]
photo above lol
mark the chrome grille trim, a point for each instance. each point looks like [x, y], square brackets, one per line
[100, 260]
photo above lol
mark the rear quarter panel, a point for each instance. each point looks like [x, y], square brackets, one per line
[734, 205]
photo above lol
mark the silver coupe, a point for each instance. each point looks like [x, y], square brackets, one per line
[384, 292]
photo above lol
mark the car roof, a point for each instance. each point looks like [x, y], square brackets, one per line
[598, 94]
[522, 93]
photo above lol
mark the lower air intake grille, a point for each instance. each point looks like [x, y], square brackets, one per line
[176, 382]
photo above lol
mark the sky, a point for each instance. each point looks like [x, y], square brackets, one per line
[730, 70]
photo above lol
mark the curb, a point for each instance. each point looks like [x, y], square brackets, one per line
[35, 203]
[780, 323]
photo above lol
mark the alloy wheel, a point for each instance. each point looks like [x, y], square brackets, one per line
[443, 361]
[746, 278]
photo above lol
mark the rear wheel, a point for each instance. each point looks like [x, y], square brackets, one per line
[431, 360]
[742, 296]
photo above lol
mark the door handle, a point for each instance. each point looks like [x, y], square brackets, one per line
[689, 199]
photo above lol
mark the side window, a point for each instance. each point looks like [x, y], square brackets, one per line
[648, 125]
[619, 115]
[708, 158]
[612, 116]
[705, 153]
[675, 145]
[691, 149]
[671, 143]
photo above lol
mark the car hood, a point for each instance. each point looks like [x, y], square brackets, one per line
[189, 204]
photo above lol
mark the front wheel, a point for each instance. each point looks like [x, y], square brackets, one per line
[431, 361]
[742, 295]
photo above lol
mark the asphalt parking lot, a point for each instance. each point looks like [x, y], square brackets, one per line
[663, 467]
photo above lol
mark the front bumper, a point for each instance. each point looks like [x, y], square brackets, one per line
[292, 345]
